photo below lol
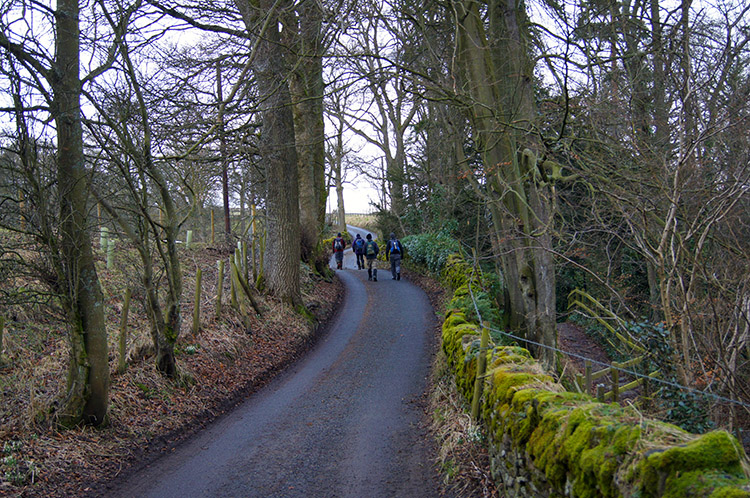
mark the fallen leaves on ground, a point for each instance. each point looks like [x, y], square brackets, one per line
[230, 358]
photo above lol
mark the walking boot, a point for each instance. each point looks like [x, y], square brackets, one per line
[375, 275]
[398, 276]
[369, 274]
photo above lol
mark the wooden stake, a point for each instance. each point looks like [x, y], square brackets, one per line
[481, 368]
[121, 365]
[245, 266]
[587, 367]
[232, 286]
[244, 287]
[219, 288]
[615, 382]
[197, 303]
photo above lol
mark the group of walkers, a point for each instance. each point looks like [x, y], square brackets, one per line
[369, 250]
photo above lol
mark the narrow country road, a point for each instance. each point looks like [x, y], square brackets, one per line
[345, 421]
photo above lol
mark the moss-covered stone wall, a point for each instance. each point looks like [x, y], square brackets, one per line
[548, 442]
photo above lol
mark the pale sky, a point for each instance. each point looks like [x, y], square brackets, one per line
[357, 198]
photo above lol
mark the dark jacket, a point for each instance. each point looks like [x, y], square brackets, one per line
[358, 250]
[390, 248]
[375, 245]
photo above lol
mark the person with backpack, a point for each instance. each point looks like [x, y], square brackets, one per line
[371, 253]
[338, 250]
[393, 252]
[359, 249]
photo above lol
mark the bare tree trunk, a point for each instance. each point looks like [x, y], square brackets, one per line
[340, 212]
[519, 205]
[336, 159]
[87, 395]
[166, 330]
[224, 161]
[278, 149]
[306, 86]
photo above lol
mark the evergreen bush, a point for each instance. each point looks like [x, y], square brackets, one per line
[430, 250]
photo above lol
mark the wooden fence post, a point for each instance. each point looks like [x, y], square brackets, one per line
[600, 391]
[587, 368]
[245, 266]
[232, 286]
[197, 303]
[615, 382]
[481, 368]
[121, 365]
[219, 288]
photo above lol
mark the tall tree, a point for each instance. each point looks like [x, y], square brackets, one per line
[88, 373]
[337, 152]
[224, 159]
[127, 142]
[379, 57]
[277, 147]
[303, 34]
[496, 70]
[87, 393]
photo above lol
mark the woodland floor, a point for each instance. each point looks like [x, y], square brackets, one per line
[226, 361]
[219, 367]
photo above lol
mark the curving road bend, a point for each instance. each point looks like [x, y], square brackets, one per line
[345, 421]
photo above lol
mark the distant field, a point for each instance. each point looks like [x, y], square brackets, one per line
[366, 221]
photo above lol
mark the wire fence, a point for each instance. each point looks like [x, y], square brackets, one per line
[635, 374]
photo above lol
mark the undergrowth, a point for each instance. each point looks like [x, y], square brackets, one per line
[462, 444]
[671, 404]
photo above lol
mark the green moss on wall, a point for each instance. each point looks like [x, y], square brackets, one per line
[456, 272]
[581, 447]
[668, 469]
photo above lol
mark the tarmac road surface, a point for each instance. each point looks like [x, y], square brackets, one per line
[345, 421]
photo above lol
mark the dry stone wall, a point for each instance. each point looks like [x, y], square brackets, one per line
[548, 442]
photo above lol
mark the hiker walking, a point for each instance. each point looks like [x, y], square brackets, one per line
[338, 250]
[393, 252]
[371, 252]
[359, 249]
